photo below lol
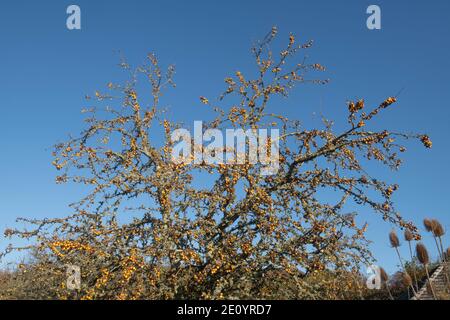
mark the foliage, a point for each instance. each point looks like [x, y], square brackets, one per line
[148, 230]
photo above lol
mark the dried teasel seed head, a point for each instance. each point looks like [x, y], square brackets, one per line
[395, 242]
[428, 224]
[406, 279]
[409, 235]
[422, 253]
[438, 229]
[383, 275]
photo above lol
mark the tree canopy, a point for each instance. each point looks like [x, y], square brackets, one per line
[148, 229]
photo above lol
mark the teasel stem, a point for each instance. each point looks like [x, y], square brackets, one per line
[409, 237]
[438, 231]
[385, 279]
[403, 267]
[429, 281]
[424, 259]
[389, 291]
[413, 265]
[444, 258]
[438, 248]
[395, 243]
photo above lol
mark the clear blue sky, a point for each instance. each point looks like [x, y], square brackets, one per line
[46, 70]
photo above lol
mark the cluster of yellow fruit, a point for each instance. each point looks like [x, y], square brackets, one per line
[382, 105]
[355, 107]
[319, 227]
[190, 255]
[204, 100]
[130, 265]
[236, 113]
[99, 283]
[240, 77]
[261, 196]
[388, 102]
[132, 95]
[291, 39]
[246, 248]
[68, 245]
[316, 266]
[318, 66]
[426, 141]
